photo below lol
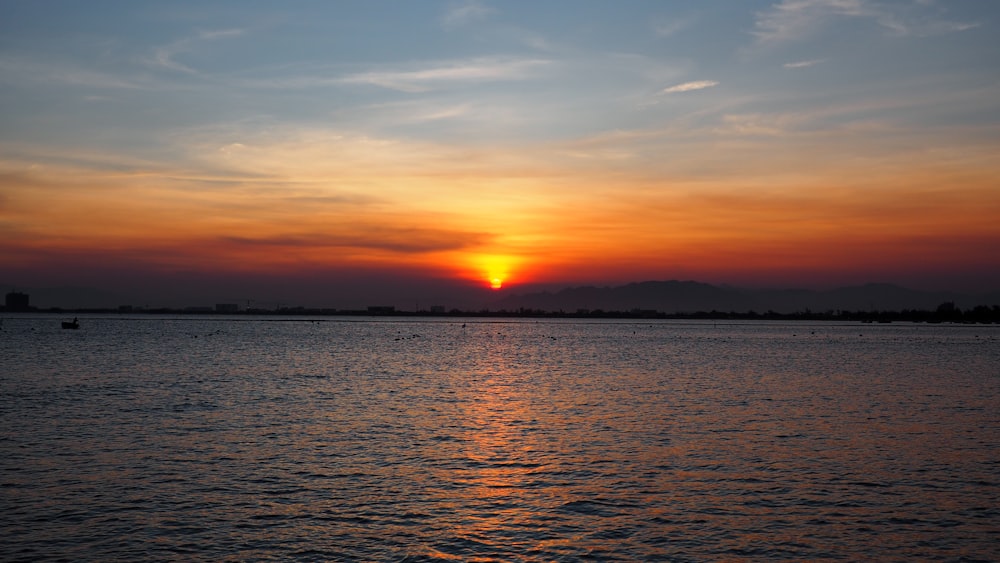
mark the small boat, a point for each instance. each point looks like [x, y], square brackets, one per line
[74, 324]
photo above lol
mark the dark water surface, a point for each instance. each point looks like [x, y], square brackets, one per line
[406, 440]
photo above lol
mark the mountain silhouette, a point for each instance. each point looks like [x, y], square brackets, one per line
[666, 296]
[689, 297]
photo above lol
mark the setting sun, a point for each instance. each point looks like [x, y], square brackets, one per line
[494, 269]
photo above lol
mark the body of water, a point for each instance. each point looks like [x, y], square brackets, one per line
[355, 439]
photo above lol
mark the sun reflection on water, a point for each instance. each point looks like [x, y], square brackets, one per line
[502, 449]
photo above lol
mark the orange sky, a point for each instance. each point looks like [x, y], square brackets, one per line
[521, 215]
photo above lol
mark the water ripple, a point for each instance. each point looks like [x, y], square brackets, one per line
[350, 440]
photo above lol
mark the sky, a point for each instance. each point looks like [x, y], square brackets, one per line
[331, 153]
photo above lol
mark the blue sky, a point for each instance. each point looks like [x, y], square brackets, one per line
[504, 70]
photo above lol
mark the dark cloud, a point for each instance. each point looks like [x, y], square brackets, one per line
[401, 240]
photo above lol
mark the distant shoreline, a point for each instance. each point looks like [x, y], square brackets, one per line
[977, 315]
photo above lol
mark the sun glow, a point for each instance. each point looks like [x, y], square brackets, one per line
[495, 270]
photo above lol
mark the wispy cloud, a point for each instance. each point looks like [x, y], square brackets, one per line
[220, 34]
[666, 28]
[793, 19]
[20, 69]
[466, 12]
[443, 113]
[476, 70]
[416, 111]
[404, 240]
[533, 40]
[756, 124]
[165, 56]
[690, 86]
[790, 20]
[803, 64]
[922, 27]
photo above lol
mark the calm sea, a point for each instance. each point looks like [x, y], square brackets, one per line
[355, 439]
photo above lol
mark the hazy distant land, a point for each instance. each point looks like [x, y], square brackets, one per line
[643, 299]
[691, 297]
